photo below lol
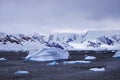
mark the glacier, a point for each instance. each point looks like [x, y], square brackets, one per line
[89, 40]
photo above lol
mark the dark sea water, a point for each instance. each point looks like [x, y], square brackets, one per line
[41, 71]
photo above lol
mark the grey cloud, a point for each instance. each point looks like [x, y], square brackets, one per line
[48, 15]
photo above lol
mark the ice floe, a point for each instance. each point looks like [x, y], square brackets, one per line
[53, 63]
[89, 58]
[76, 62]
[2, 59]
[97, 69]
[21, 72]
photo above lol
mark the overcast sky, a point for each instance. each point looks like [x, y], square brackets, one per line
[48, 16]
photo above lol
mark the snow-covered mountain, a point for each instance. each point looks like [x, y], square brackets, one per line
[98, 40]
[17, 42]
[90, 40]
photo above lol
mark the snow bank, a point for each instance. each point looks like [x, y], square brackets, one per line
[75, 62]
[47, 54]
[117, 54]
[97, 69]
[90, 58]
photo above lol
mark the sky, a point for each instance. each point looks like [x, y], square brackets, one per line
[52, 16]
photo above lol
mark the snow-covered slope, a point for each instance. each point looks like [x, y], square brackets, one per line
[17, 42]
[90, 40]
[98, 40]
[65, 37]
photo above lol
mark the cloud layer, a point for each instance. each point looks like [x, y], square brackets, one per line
[48, 16]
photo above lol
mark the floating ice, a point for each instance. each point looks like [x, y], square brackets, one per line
[97, 69]
[90, 58]
[21, 72]
[2, 59]
[53, 63]
[75, 62]
[48, 54]
[117, 54]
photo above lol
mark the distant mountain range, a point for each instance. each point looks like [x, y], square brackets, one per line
[89, 40]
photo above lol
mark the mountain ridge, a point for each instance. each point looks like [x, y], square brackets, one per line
[88, 39]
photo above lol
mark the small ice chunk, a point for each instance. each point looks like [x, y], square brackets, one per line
[97, 69]
[53, 63]
[117, 54]
[90, 58]
[21, 72]
[75, 62]
[2, 59]
[113, 50]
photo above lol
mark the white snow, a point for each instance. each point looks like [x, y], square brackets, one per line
[75, 45]
[26, 46]
[84, 46]
[76, 62]
[90, 58]
[2, 59]
[69, 41]
[53, 63]
[21, 72]
[117, 54]
[81, 42]
[47, 54]
[98, 33]
[97, 69]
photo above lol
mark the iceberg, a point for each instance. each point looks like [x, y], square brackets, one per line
[47, 54]
[89, 40]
